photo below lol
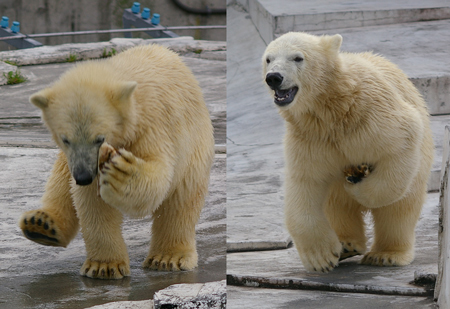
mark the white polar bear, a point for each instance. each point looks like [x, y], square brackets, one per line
[357, 139]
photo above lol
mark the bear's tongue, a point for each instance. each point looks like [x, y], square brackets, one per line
[285, 96]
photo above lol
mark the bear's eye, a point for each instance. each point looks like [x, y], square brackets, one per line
[268, 60]
[99, 140]
[65, 141]
[298, 59]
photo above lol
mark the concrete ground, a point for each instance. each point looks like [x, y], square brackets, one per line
[35, 276]
[260, 254]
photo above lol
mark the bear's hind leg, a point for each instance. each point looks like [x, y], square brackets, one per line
[394, 232]
[346, 218]
[173, 245]
[56, 223]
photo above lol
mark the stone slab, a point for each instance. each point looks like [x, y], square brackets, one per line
[246, 297]
[36, 276]
[285, 265]
[192, 296]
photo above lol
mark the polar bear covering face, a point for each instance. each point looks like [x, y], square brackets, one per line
[357, 139]
[143, 111]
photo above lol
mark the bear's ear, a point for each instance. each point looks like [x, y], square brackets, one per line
[39, 99]
[334, 42]
[124, 91]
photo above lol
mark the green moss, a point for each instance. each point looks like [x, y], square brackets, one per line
[72, 58]
[13, 78]
[10, 62]
[198, 51]
[111, 53]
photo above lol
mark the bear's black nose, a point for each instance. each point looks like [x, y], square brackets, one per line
[274, 80]
[82, 177]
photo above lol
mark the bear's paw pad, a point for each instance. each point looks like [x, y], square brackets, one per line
[39, 227]
[350, 249]
[356, 173]
[387, 258]
[171, 262]
[103, 270]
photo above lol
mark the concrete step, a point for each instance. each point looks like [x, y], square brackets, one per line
[273, 18]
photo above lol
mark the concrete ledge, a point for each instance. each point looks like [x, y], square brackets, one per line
[187, 296]
[83, 51]
[143, 304]
[273, 18]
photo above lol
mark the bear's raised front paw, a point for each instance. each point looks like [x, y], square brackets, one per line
[38, 226]
[116, 176]
[102, 270]
[387, 258]
[354, 174]
[350, 249]
[171, 262]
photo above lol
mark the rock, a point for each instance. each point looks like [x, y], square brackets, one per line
[187, 296]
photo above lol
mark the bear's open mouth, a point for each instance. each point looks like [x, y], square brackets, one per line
[285, 96]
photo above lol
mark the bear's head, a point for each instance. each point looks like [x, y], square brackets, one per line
[82, 111]
[297, 66]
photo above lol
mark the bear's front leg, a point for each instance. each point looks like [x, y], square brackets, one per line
[132, 185]
[316, 242]
[107, 256]
[56, 223]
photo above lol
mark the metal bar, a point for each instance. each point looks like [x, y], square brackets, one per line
[41, 35]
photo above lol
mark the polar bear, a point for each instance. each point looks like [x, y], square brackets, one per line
[148, 106]
[357, 139]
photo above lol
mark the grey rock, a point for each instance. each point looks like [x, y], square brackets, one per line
[186, 296]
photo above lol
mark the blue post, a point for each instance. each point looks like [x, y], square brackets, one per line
[15, 27]
[136, 8]
[5, 22]
[145, 13]
[155, 19]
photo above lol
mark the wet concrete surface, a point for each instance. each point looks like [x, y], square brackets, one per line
[36, 276]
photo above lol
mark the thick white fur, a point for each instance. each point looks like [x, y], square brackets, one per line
[148, 105]
[350, 109]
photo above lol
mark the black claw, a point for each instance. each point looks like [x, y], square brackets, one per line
[39, 222]
[32, 220]
[45, 226]
[336, 254]
[25, 221]
[390, 261]
[53, 232]
[345, 250]
[315, 269]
